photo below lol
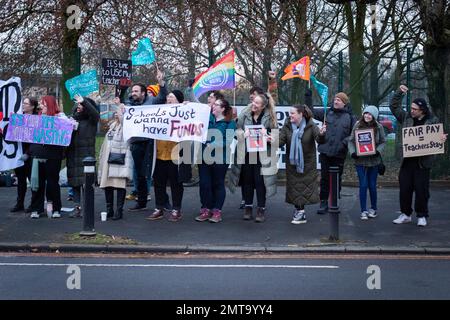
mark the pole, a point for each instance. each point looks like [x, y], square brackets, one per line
[341, 73]
[88, 203]
[408, 78]
[333, 205]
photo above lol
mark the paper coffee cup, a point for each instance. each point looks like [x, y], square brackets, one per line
[103, 216]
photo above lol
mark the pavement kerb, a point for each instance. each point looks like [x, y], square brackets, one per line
[326, 249]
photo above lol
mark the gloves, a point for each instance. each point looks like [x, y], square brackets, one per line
[354, 156]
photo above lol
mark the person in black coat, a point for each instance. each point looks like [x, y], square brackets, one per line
[29, 106]
[82, 145]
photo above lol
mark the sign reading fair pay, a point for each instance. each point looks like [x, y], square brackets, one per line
[423, 140]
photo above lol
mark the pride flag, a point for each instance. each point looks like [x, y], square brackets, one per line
[219, 76]
[298, 69]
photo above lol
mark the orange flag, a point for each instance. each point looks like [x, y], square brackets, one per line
[298, 69]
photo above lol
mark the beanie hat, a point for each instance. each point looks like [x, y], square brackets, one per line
[342, 96]
[422, 104]
[154, 89]
[179, 95]
[372, 110]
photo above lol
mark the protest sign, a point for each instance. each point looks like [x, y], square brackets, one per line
[39, 129]
[365, 142]
[256, 141]
[423, 140]
[115, 70]
[174, 122]
[84, 84]
[10, 101]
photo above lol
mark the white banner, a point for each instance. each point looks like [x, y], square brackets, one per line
[10, 102]
[174, 122]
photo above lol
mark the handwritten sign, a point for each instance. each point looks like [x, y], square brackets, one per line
[256, 141]
[84, 84]
[39, 129]
[173, 122]
[115, 70]
[10, 101]
[423, 140]
[365, 142]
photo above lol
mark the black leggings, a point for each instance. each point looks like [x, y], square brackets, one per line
[253, 180]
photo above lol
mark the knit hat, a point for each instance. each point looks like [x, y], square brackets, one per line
[154, 89]
[372, 110]
[422, 104]
[179, 95]
[342, 96]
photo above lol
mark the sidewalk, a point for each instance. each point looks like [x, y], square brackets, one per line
[277, 234]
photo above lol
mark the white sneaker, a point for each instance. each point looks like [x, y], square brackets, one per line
[364, 215]
[422, 222]
[403, 218]
[299, 217]
[34, 215]
[372, 213]
[56, 215]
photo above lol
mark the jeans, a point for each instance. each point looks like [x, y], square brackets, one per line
[367, 180]
[212, 185]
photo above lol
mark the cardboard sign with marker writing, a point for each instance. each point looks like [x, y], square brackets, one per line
[423, 140]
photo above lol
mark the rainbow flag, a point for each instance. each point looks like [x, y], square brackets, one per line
[219, 76]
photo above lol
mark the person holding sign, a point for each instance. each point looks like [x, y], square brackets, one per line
[167, 170]
[414, 175]
[115, 165]
[82, 145]
[261, 113]
[300, 134]
[46, 166]
[29, 106]
[141, 148]
[212, 171]
[366, 143]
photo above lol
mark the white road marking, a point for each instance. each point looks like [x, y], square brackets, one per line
[273, 266]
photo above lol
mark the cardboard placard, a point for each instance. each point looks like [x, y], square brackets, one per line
[423, 140]
[116, 72]
[256, 141]
[365, 142]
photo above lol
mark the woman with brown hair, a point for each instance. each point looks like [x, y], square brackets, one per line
[300, 134]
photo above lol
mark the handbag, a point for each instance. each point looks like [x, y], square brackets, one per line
[116, 158]
[381, 168]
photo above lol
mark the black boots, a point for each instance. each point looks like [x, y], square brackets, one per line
[323, 207]
[109, 195]
[121, 193]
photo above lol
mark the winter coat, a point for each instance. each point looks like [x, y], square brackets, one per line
[302, 188]
[405, 119]
[380, 142]
[114, 175]
[269, 163]
[339, 127]
[82, 144]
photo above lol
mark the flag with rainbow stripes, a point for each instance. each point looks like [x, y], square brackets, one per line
[221, 75]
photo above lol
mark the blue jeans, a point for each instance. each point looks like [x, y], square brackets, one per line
[367, 179]
[212, 185]
[149, 180]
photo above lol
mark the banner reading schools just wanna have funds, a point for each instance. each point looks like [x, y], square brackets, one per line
[174, 122]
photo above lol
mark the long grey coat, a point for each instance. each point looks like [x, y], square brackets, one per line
[302, 188]
[269, 163]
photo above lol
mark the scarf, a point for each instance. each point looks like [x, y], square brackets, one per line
[296, 152]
